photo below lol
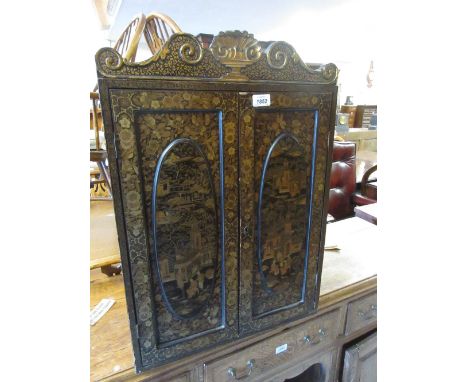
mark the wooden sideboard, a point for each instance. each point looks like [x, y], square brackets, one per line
[347, 312]
[360, 359]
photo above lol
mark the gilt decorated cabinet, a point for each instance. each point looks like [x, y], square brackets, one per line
[219, 161]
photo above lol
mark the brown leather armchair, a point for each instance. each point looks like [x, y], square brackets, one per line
[342, 180]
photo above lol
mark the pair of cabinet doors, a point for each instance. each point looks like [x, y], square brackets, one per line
[220, 210]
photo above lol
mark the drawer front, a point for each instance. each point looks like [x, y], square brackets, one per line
[319, 367]
[185, 377]
[361, 313]
[254, 362]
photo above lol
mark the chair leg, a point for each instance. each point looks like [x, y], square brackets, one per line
[105, 173]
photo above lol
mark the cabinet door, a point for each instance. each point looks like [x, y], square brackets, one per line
[176, 205]
[283, 163]
[360, 361]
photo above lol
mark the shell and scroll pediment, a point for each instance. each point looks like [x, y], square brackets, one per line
[181, 56]
[232, 56]
[280, 62]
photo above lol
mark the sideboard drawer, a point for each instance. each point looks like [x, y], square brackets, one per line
[319, 367]
[361, 313]
[253, 362]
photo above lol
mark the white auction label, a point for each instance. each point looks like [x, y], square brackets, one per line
[281, 348]
[260, 100]
[100, 309]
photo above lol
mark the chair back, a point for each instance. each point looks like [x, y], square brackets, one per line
[369, 190]
[158, 29]
[96, 120]
[127, 43]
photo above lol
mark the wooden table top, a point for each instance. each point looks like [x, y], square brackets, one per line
[351, 267]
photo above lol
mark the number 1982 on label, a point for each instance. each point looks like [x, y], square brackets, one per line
[260, 100]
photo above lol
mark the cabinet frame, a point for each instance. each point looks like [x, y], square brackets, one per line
[183, 65]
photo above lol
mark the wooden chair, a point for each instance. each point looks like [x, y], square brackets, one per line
[158, 29]
[126, 45]
[97, 152]
[368, 192]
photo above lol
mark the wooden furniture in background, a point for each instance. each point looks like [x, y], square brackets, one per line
[367, 193]
[360, 361]
[98, 154]
[351, 110]
[369, 190]
[363, 115]
[347, 311]
[158, 29]
[126, 45]
[196, 156]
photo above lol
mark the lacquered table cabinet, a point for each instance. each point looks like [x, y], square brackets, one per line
[220, 198]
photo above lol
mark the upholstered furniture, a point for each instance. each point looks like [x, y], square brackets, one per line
[347, 192]
[219, 163]
[342, 180]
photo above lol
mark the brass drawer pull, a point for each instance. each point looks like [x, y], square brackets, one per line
[371, 313]
[233, 373]
[316, 338]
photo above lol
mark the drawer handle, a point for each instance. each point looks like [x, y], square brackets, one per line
[371, 313]
[233, 373]
[317, 338]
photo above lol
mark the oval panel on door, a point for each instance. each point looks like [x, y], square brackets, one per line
[185, 228]
[281, 225]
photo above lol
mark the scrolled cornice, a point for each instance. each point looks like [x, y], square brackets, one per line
[232, 56]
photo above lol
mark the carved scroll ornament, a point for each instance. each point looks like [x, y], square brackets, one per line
[232, 56]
